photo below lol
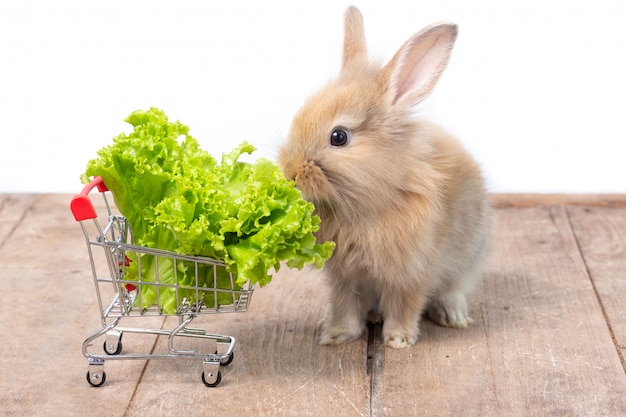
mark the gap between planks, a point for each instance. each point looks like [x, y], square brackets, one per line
[375, 366]
[560, 203]
[589, 272]
[14, 209]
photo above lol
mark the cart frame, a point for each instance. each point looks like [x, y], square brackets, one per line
[108, 253]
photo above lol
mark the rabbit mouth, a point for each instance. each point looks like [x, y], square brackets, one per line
[312, 181]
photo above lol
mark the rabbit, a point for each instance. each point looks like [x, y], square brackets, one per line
[402, 199]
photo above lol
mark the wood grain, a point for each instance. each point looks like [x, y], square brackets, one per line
[550, 326]
[279, 367]
[601, 235]
[48, 308]
[534, 200]
[13, 209]
[539, 346]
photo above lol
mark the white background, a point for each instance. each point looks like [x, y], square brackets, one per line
[535, 89]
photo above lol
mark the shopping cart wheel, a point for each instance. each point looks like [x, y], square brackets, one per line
[108, 349]
[113, 342]
[227, 361]
[217, 377]
[98, 379]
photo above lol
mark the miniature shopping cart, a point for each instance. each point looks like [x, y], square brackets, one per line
[111, 254]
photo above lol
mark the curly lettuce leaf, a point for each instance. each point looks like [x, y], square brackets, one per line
[177, 197]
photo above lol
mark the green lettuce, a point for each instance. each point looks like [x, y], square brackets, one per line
[177, 197]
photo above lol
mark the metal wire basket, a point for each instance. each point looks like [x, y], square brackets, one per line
[143, 282]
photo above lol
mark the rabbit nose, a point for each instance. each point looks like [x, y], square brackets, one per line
[309, 174]
[304, 170]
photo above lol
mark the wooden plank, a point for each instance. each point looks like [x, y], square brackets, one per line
[601, 234]
[539, 345]
[279, 368]
[48, 308]
[533, 200]
[13, 209]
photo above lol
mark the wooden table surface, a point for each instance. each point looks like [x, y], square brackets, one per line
[549, 336]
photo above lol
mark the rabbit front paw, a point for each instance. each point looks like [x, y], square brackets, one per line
[340, 332]
[399, 336]
[338, 337]
[399, 340]
[336, 332]
[342, 323]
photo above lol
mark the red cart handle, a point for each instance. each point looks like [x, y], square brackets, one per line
[81, 205]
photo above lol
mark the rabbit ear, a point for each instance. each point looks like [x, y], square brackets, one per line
[354, 47]
[414, 70]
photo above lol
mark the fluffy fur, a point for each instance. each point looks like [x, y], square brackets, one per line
[404, 202]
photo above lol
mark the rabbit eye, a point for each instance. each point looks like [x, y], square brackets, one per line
[339, 137]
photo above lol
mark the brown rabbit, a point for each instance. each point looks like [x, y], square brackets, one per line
[402, 199]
